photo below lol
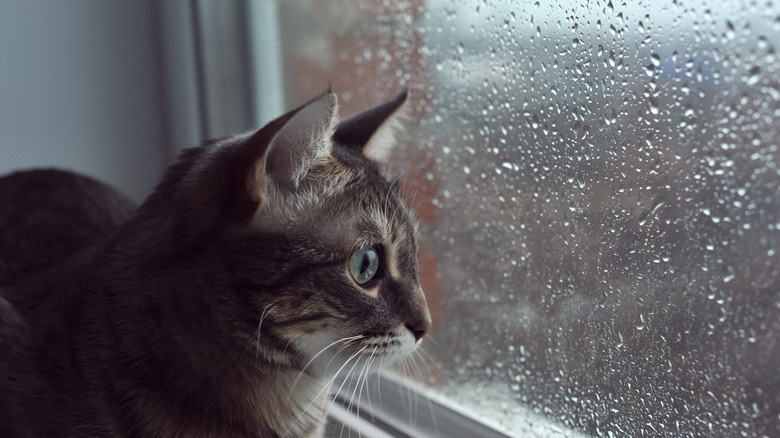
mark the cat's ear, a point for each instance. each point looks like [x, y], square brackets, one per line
[291, 145]
[372, 130]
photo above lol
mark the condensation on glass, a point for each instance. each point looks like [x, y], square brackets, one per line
[598, 184]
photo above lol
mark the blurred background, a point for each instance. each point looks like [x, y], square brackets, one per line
[598, 182]
[82, 87]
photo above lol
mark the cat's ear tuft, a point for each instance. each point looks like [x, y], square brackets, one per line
[298, 141]
[373, 130]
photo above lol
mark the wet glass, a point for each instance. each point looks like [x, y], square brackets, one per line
[598, 188]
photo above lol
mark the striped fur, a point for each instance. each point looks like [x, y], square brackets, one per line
[223, 306]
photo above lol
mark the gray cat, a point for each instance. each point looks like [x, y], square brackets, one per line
[262, 265]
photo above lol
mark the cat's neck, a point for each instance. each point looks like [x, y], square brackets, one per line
[292, 404]
[198, 375]
[259, 405]
[264, 393]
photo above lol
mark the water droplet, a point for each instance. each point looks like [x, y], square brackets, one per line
[653, 105]
[731, 275]
[754, 75]
[730, 34]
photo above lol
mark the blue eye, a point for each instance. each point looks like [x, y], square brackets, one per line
[363, 264]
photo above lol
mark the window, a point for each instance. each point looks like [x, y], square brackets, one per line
[599, 187]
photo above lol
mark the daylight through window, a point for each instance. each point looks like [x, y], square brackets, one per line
[598, 186]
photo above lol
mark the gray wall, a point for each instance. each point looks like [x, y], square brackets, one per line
[81, 89]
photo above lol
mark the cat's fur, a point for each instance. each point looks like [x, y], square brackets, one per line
[223, 306]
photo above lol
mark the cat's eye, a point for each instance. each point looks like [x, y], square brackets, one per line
[363, 264]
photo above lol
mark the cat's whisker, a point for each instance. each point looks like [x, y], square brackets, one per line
[394, 185]
[403, 389]
[379, 372]
[419, 355]
[409, 402]
[414, 371]
[424, 362]
[412, 393]
[398, 206]
[431, 339]
[362, 386]
[413, 200]
[431, 361]
[289, 341]
[325, 388]
[357, 384]
[398, 179]
[341, 432]
[260, 326]
[346, 379]
[421, 378]
[342, 348]
[360, 377]
[303, 370]
[414, 374]
[415, 365]
[359, 388]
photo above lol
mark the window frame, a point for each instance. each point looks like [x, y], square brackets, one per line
[390, 405]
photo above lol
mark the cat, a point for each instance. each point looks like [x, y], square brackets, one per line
[261, 266]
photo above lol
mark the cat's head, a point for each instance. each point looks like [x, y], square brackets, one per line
[304, 246]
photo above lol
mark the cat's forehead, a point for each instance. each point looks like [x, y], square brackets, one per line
[398, 228]
[374, 206]
[367, 211]
[346, 203]
[383, 219]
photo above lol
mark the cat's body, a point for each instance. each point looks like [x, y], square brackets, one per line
[225, 304]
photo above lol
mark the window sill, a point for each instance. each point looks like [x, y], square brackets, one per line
[392, 406]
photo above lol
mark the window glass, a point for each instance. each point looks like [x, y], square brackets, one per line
[598, 188]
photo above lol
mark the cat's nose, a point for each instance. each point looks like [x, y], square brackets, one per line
[419, 328]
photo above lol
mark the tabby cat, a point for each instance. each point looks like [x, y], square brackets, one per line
[262, 265]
